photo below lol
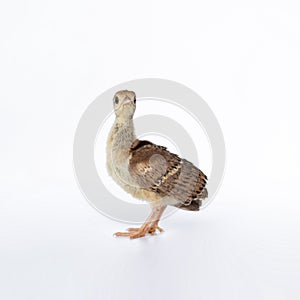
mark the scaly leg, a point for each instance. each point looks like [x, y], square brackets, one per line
[150, 225]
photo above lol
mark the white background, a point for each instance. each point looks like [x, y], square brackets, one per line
[242, 57]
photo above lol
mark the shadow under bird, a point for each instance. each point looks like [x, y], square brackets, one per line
[148, 171]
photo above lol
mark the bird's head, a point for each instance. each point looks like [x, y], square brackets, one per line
[124, 105]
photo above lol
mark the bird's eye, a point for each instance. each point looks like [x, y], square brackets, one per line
[116, 100]
[134, 100]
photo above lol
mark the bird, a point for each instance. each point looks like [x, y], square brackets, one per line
[148, 171]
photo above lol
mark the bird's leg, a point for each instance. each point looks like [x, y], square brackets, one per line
[154, 224]
[149, 226]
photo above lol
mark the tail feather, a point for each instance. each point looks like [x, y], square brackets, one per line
[194, 205]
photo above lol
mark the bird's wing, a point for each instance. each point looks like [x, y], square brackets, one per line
[156, 169]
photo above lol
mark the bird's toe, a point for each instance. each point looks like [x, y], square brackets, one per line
[122, 234]
[133, 229]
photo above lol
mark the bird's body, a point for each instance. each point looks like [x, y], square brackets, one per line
[148, 171]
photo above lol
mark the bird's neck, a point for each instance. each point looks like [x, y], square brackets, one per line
[122, 135]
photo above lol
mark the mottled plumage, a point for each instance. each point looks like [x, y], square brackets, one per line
[156, 169]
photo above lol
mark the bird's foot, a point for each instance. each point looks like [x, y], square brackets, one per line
[135, 233]
[154, 226]
[151, 230]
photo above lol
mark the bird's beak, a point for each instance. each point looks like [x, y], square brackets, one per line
[127, 101]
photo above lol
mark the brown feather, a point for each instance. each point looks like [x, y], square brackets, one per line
[158, 170]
